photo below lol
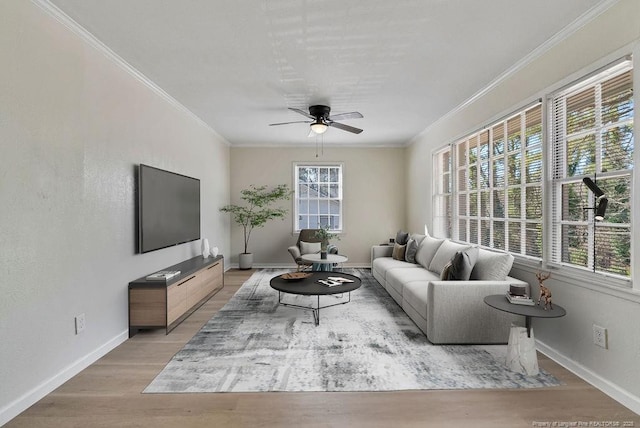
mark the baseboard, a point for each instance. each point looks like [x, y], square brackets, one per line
[293, 266]
[22, 403]
[621, 395]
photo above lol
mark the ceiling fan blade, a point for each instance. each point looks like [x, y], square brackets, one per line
[350, 115]
[287, 123]
[302, 112]
[345, 127]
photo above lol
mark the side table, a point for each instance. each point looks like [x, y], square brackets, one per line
[521, 351]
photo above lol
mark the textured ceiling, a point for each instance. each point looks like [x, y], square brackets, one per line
[238, 65]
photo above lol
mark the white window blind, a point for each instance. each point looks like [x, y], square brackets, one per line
[592, 136]
[442, 193]
[497, 195]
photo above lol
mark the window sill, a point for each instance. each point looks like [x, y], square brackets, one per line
[593, 282]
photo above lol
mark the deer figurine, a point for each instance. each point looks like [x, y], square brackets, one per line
[545, 293]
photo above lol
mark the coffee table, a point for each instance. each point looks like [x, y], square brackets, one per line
[329, 261]
[521, 350]
[310, 287]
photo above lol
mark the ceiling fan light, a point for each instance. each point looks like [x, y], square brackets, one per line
[319, 127]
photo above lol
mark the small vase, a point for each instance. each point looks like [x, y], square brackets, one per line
[323, 255]
[214, 251]
[205, 248]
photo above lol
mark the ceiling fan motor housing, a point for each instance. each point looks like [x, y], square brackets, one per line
[320, 112]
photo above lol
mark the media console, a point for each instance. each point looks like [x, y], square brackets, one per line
[160, 304]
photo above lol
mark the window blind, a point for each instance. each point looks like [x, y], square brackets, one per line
[592, 136]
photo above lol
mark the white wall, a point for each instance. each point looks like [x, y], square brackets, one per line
[73, 123]
[609, 36]
[373, 198]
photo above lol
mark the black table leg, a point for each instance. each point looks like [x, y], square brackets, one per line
[527, 322]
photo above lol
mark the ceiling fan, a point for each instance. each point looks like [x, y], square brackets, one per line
[321, 121]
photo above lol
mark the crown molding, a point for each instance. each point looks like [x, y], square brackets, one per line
[64, 19]
[560, 36]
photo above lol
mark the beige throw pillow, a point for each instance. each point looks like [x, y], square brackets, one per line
[398, 251]
[309, 247]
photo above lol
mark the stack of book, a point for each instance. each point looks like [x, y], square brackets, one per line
[520, 299]
[163, 275]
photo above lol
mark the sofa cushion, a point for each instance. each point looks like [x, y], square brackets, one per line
[402, 237]
[412, 247]
[445, 253]
[462, 264]
[492, 265]
[398, 251]
[426, 250]
[399, 278]
[382, 265]
[309, 247]
[414, 294]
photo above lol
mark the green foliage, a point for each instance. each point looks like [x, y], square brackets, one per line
[324, 233]
[258, 210]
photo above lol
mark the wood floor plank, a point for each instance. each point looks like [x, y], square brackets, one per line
[108, 394]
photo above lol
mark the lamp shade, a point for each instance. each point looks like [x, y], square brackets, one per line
[602, 208]
[318, 127]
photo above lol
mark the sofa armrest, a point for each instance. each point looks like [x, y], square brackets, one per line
[456, 312]
[294, 251]
[381, 251]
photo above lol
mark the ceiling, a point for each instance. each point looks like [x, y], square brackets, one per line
[238, 65]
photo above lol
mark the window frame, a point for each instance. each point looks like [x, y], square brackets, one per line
[467, 199]
[340, 198]
[558, 177]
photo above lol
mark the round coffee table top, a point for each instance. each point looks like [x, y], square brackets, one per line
[311, 287]
[331, 258]
[499, 301]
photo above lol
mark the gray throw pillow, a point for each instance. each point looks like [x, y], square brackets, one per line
[402, 237]
[410, 252]
[462, 264]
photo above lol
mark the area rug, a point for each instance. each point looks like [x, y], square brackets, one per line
[369, 344]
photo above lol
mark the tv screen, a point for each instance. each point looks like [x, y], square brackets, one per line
[168, 209]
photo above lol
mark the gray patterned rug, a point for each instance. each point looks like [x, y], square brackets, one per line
[369, 344]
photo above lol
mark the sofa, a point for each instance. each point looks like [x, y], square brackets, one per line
[449, 310]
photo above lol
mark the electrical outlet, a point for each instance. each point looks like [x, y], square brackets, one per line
[600, 336]
[80, 323]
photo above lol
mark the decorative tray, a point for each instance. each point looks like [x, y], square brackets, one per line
[295, 276]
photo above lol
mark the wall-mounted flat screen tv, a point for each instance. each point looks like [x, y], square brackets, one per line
[168, 209]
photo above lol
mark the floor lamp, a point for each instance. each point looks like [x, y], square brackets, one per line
[599, 207]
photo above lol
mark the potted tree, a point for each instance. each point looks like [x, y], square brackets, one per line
[256, 211]
[325, 235]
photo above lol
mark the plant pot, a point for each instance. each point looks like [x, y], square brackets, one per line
[245, 260]
[323, 255]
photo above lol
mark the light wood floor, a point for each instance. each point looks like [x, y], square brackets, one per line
[108, 394]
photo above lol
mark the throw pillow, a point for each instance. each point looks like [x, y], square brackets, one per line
[402, 237]
[445, 253]
[446, 271]
[426, 250]
[492, 265]
[410, 253]
[309, 247]
[462, 264]
[398, 252]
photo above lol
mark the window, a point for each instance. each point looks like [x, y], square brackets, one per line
[318, 196]
[592, 136]
[497, 195]
[442, 193]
